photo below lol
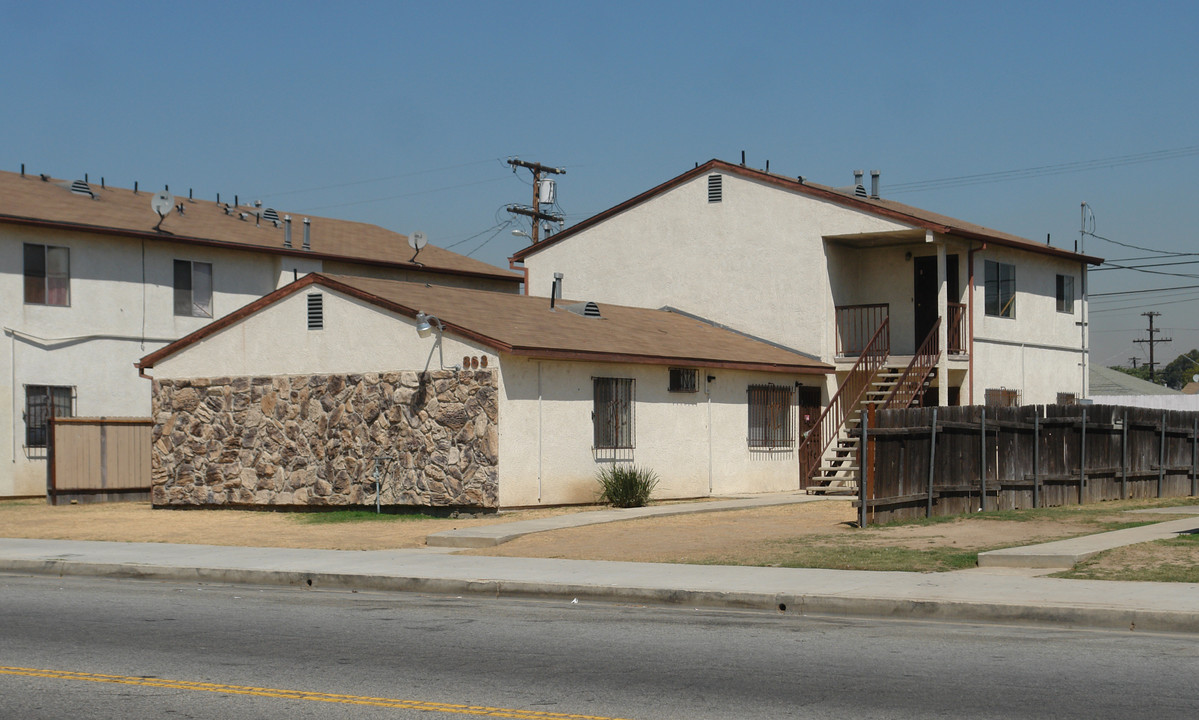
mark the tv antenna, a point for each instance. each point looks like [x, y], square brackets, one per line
[162, 203]
[416, 241]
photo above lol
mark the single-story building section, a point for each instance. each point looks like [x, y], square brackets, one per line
[344, 391]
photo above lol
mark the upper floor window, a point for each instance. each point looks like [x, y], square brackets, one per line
[193, 288]
[47, 275]
[1001, 289]
[41, 403]
[1065, 293]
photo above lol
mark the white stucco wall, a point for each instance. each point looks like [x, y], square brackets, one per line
[696, 442]
[113, 320]
[754, 261]
[1037, 352]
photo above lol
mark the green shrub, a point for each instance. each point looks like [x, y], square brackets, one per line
[626, 486]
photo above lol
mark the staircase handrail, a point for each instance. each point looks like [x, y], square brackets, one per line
[845, 401]
[912, 380]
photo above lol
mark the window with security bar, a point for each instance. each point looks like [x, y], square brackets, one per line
[612, 413]
[41, 403]
[683, 380]
[770, 416]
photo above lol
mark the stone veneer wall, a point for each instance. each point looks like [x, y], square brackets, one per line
[305, 440]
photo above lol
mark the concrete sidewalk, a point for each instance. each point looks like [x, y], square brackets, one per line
[963, 596]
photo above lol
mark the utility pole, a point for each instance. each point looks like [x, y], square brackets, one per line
[1133, 360]
[1152, 342]
[535, 211]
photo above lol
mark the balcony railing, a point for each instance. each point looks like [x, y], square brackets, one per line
[956, 329]
[856, 325]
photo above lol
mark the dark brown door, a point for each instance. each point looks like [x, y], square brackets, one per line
[808, 401]
[925, 292]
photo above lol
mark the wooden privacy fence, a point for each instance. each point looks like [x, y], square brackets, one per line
[923, 462]
[96, 459]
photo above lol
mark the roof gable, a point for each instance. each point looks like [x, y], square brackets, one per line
[889, 209]
[527, 326]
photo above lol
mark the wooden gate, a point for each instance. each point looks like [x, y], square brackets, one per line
[98, 459]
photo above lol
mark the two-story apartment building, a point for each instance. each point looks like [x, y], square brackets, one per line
[963, 313]
[92, 278]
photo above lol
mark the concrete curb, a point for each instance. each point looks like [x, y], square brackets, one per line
[1099, 617]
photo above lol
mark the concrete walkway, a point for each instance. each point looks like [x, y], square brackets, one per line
[994, 594]
[489, 535]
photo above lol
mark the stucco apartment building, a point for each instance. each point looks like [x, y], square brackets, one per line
[339, 390]
[92, 278]
[967, 314]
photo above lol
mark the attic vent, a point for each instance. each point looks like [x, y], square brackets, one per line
[587, 309]
[270, 215]
[715, 189]
[860, 191]
[316, 311]
[80, 187]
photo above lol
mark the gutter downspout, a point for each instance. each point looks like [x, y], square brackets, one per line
[970, 313]
[708, 392]
[12, 365]
[540, 430]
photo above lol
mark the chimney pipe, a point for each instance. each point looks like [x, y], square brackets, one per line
[307, 234]
[874, 184]
[556, 290]
[287, 231]
[857, 177]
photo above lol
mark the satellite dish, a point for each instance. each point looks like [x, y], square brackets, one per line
[417, 240]
[1195, 378]
[162, 203]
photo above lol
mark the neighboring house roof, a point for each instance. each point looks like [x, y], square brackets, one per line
[1191, 388]
[1106, 381]
[890, 209]
[525, 326]
[30, 200]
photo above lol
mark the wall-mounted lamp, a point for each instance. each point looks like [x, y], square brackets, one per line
[426, 323]
[907, 256]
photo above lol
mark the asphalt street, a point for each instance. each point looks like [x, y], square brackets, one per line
[126, 649]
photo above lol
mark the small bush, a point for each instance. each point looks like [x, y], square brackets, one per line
[626, 486]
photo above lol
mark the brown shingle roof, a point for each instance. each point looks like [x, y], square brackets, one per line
[522, 325]
[116, 211]
[890, 209]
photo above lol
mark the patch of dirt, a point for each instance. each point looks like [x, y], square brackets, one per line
[138, 522]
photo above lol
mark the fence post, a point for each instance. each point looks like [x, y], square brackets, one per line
[864, 470]
[982, 473]
[1194, 469]
[1161, 457]
[932, 462]
[1124, 457]
[1036, 458]
[1082, 457]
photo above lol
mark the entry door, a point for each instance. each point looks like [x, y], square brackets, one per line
[925, 292]
[808, 402]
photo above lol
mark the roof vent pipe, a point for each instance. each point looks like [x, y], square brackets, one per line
[134, 187]
[307, 234]
[287, 231]
[556, 290]
[84, 177]
[874, 184]
[857, 177]
[101, 182]
[23, 169]
[235, 203]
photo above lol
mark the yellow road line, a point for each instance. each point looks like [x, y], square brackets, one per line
[297, 695]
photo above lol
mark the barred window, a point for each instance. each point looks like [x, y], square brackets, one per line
[770, 416]
[683, 380]
[1002, 397]
[41, 403]
[612, 413]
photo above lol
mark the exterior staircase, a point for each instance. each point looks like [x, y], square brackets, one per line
[871, 383]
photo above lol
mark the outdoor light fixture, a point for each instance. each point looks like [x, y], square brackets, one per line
[520, 233]
[426, 323]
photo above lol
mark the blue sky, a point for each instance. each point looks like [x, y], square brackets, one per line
[401, 114]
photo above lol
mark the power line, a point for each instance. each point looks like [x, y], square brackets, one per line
[367, 181]
[404, 195]
[1044, 170]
